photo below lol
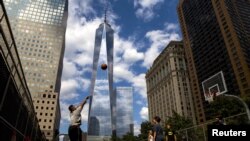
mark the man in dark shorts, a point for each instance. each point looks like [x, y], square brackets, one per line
[157, 129]
[170, 134]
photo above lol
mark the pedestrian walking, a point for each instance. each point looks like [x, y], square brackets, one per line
[150, 135]
[157, 129]
[170, 134]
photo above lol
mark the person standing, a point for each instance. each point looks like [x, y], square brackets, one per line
[157, 129]
[170, 134]
[219, 121]
[74, 131]
[150, 136]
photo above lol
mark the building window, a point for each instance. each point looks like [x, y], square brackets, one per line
[44, 95]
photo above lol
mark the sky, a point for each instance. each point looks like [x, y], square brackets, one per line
[143, 28]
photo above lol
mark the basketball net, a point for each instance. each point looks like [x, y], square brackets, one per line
[210, 97]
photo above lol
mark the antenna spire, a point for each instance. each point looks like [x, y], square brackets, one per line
[105, 11]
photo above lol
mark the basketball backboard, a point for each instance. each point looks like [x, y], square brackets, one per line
[215, 84]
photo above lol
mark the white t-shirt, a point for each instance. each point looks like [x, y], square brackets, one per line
[75, 116]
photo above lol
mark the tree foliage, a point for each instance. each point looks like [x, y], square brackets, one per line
[179, 122]
[226, 107]
[129, 137]
[145, 127]
[126, 137]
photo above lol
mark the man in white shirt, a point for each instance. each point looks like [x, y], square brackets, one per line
[75, 132]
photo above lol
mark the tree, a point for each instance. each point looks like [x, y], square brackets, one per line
[226, 107]
[179, 122]
[115, 138]
[129, 137]
[145, 127]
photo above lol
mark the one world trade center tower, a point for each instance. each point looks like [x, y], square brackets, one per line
[101, 122]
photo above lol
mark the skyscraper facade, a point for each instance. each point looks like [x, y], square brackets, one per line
[168, 86]
[215, 34]
[17, 115]
[39, 29]
[102, 102]
[48, 113]
[124, 111]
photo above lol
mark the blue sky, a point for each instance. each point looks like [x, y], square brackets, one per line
[142, 29]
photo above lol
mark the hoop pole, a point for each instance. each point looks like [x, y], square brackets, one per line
[243, 102]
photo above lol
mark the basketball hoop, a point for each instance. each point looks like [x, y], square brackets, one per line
[214, 86]
[209, 97]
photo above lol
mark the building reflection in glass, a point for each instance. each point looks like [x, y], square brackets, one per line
[124, 113]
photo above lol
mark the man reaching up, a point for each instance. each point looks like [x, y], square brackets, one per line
[75, 132]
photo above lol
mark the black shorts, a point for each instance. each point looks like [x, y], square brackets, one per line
[75, 133]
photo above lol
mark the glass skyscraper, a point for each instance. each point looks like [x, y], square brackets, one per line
[102, 102]
[39, 30]
[124, 111]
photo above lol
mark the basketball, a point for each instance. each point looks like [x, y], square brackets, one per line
[104, 66]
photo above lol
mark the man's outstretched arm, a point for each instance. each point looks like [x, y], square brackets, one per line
[84, 102]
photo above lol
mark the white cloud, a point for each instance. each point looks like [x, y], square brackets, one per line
[159, 39]
[131, 55]
[145, 8]
[144, 113]
[171, 26]
[145, 13]
[68, 89]
[139, 102]
[64, 112]
[80, 7]
[139, 84]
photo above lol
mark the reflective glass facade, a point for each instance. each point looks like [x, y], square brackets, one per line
[39, 30]
[102, 102]
[17, 114]
[124, 111]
